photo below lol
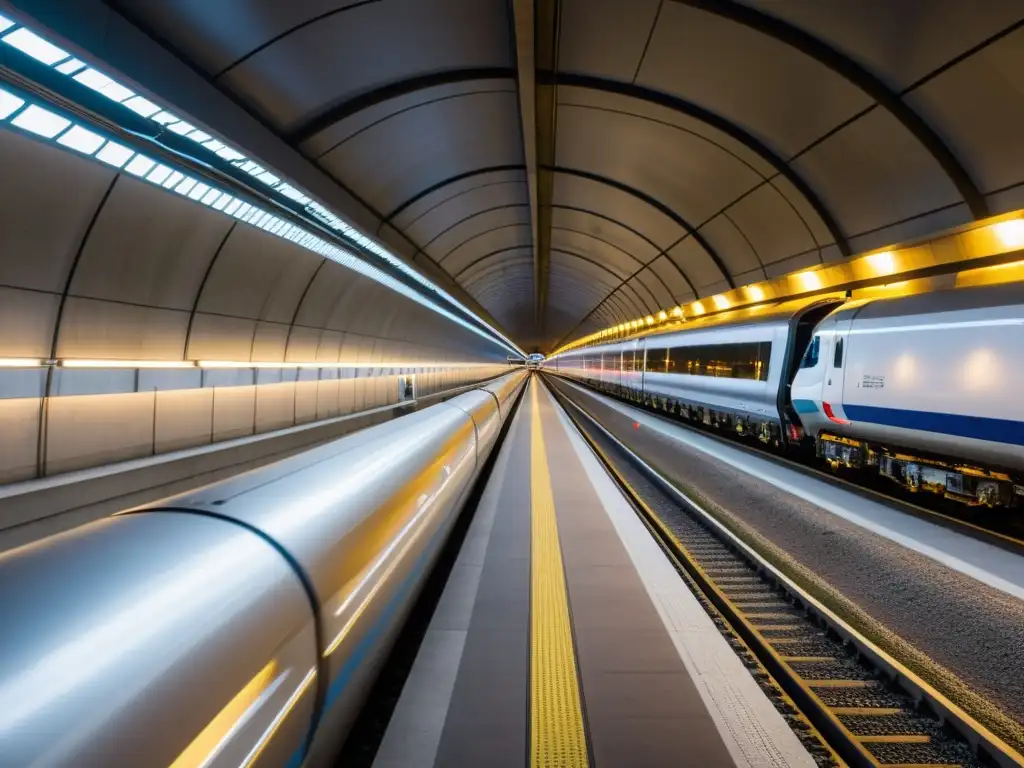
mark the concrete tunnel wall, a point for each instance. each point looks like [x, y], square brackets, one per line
[96, 264]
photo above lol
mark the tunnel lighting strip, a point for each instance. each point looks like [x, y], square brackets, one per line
[1002, 237]
[48, 124]
[31, 362]
[39, 48]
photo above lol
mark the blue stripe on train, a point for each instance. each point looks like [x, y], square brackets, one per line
[977, 427]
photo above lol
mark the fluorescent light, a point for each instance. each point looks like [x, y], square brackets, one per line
[127, 364]
[21, 362]
[159, 174]
[70, 66]
[114, 154]
[229, 154]
[100, 83]
[185, 187]
[1010, 233]
[32, 44]
[810, 281]
[222, 201]
[210, 196]
[40, 121]
[9, 104]
[141, 106]
[883, 263]
[140, 165]
[721, 302]
[81, 140]
[697, 308]
[181, 128]
[198, 191]
[173, 180]
[233, 206]
[242, 364]
[165, 118]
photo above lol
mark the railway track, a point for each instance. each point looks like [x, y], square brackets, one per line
[865, 706]
[995, 526]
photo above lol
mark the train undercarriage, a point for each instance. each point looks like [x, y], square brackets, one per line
[974, 486]
[962, 483]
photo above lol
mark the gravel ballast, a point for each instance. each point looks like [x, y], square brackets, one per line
[972, 634]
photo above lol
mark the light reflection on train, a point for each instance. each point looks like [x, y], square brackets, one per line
[921, 389]
[243, 623]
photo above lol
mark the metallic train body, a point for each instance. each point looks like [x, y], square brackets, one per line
[242, 624]
[922, 389]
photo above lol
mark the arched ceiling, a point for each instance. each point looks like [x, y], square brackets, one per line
[678, 147]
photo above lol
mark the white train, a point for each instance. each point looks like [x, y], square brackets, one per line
[920, 389]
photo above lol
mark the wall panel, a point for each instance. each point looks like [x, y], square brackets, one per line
[86, 430]
[20, 442]
[183, 418]
[233, 412]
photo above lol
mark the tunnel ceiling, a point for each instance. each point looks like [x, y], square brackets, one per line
[682, 148]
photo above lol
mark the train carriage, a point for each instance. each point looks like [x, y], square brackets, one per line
[923, 387]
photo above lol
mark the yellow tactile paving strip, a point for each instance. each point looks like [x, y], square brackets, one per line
[557, 736]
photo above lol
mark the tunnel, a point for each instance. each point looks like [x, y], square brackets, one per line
[332, 248]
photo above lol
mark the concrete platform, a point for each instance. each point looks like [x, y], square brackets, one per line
[565, 637]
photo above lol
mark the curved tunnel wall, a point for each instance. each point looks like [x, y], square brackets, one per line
[99, 265]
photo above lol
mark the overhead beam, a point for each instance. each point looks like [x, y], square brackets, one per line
[637, 233]
[470, 217]
[522, 11]
[854, 73]
[658, 206]
[548, 36]
[446, 182]
[478, 235]
[716, 121]
[487, 256]
[340, 111]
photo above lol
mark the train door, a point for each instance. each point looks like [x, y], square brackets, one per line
[641, 360]
[628, 357]
[835, 368]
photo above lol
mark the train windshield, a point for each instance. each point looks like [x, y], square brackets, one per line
[810, 358]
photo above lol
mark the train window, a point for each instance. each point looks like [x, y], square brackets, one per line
[656, 360]
[810, 358]
[627, 360]
[744, 360]
[837, 360]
